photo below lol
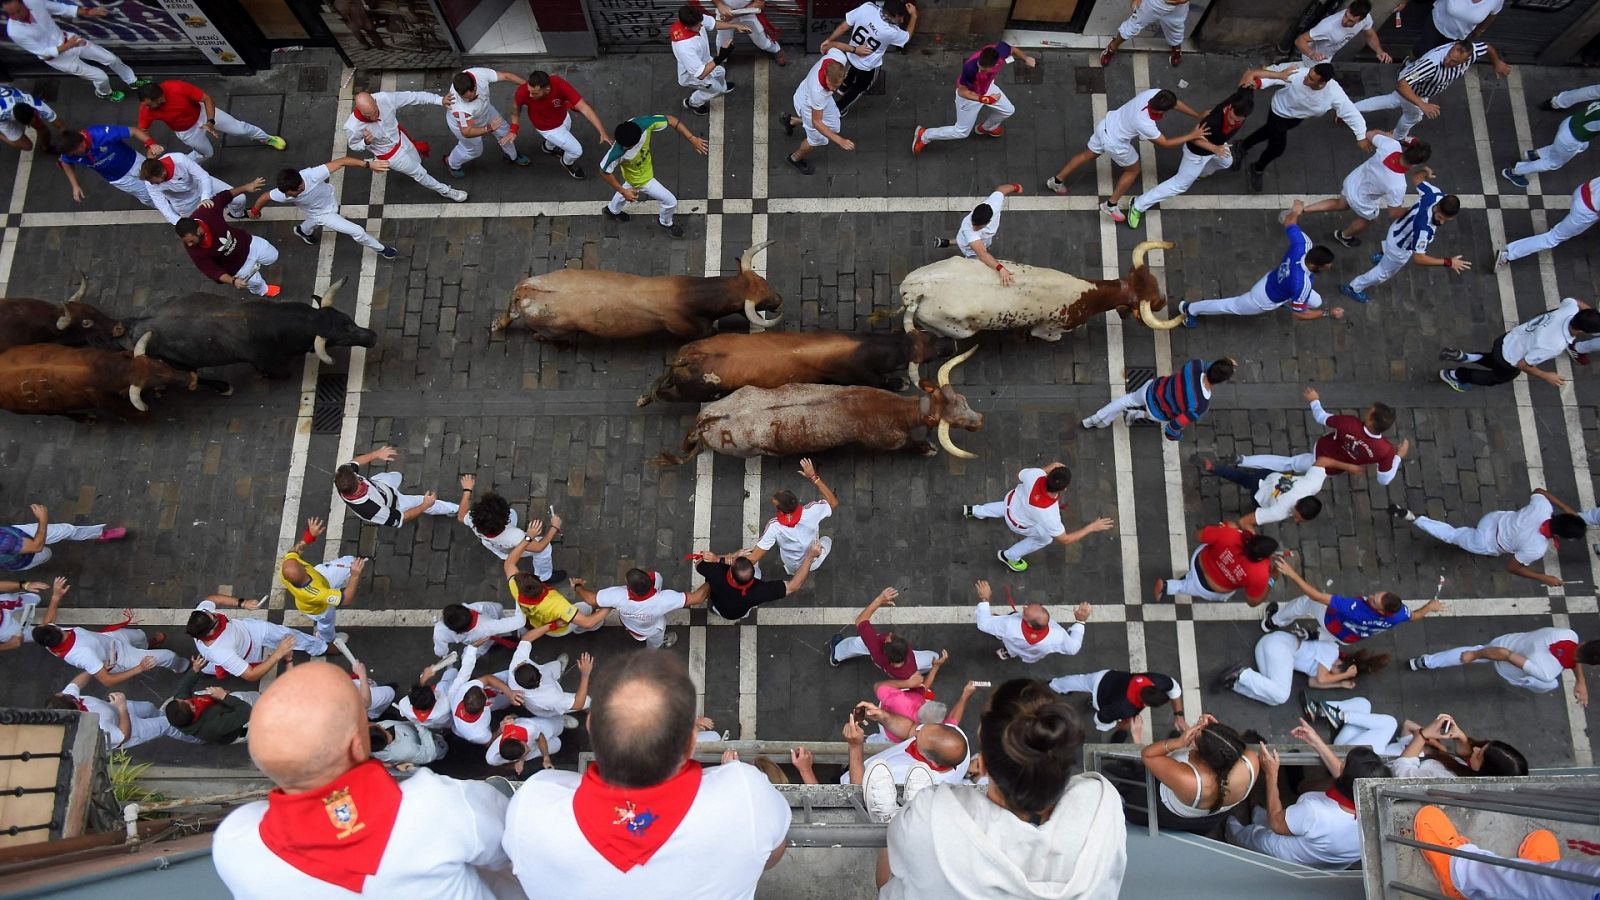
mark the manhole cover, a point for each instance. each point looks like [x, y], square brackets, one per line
[327, 412]
[1137, 377]
[1089, 79]
[313, 79]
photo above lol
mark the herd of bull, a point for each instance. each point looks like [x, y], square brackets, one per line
[767, 392]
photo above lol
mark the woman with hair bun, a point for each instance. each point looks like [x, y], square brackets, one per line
[1036, 831]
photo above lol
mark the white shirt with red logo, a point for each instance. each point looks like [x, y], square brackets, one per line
[644, 617]
[1025, 642]
[1030, 510]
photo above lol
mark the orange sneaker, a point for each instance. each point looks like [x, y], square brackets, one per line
[273, 290]
[917, 143]
[1433, 826]
[1540, 846]
[996, 131]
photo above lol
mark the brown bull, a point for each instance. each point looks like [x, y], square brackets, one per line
[48, 379]
[559, 305]
[800, 419]
[25, 321]
[716, 366]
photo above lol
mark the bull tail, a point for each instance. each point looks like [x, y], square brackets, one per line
[651, 393]
[692, 445]
[503, 321]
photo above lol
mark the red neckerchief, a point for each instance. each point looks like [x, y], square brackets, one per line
[640, 598]
[1136, 686]
[1032, 634]
[1565, 652]
[205, 236]
[1395, 163]
[790, 519]
[201, 703]
[680, 33]
[1154, 114]
[822, 72]
[628, 825]
[78, 702]
[217, 629]
[360, 117]
[474, 618]
[1231, 119]
[1039, 496]
[359, 492]
[541, 596]
[1545, 530]
[914, 753]
[338, 832]
[1345, 803]
[423, 714]
[69, 637]
[514, 733]
[170, 167]
[741, 588]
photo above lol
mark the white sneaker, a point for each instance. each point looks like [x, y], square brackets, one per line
[1500, 261]
[561, 663]
[569, 722]
[918, 778]
[827, 547]
[672, 638]
[456, 195]
[878, 790]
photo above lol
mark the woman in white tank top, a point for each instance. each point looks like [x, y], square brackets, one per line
[1203, 772]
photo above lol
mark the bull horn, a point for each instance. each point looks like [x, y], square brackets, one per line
[83, 288]
[943, 378]
[136, 397]
[758, 318]
[320, 347]
[143, 345]
[749, 256]
[949, 445]
[63, 323]
[326, 300]
[1148, 316]
[1146, 246]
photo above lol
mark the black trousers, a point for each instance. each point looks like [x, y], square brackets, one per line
[1428, 37]
[1276, 133]
[1494, 368]
[856, 82]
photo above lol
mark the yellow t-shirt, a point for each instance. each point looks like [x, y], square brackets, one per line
[552, 608]
[315, 598]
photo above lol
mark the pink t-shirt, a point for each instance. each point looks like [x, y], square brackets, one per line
[901, 703]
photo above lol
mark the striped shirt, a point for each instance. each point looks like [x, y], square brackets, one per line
[1178, 399]
[1584, 123]
[1414, 231]
[1290, 282]
[1429, 76]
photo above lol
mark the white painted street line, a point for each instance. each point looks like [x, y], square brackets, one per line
[8, 242]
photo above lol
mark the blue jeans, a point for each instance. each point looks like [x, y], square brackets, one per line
[1249, 479]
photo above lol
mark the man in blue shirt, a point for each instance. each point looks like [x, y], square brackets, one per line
[1287, 285]
[1408, 240]
[104, 148]
[1346, 619]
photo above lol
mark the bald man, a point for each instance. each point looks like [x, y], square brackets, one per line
[940, 748]
[374, 126]
[645, 819]
[320, 590]
[1031, 635]
[339, 824]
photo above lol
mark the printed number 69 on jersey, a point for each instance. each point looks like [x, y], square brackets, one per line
[862, 36]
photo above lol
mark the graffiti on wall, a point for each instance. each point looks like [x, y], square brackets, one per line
[643, 24]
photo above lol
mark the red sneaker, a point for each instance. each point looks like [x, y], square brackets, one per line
[1105, 56]
[996, 131]
[917, 144]
[116, 533]
[1175, 57]
[273, 290]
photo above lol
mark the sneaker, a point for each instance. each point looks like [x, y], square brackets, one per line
[805, 167]
[273, 291]
[833, 644]
[561, 663]
[967, 512]
[556, 576]
[521, 160]
[1581, 359]
[388, 253]
[1520, 181]
[140, 82]
[1229, 678]
[114, 533]
[1051, 184]
[788, 123]
[917, 143]
[781, 59]
[568, 723]
[1309, 708]
[1002, 654]
[1346, 239]
[1548, 105]
[673, 228]
[1501, 260]
[236, 216]
[457, 195]
[456, 172]
[1175, 58]
[1540, 846]
[1113, 212]
[1400, 512]
[731, 86]
[1417, 663]
[1451, 354]
[1020, 565]
[276, 143]
[918, 778]
[1267, 625]
[114, 96]
[1332, 715]
[307, 238]
[997, 131]
[615, 216]
[1189, 319]
[827, 547]
[1298, 631]
[1159, 590]
[704, 110]
[672, 638]
[940, 243]
[1135, 216]
[575, 170]
[1433, 826]
[1448, 376]
[1254, 176]
[1353, 294]
[878, 791]
[1106, 56]
[157, 639]
[550, 149]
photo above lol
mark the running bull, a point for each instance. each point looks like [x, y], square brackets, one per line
[959, 297]
[561, 304]
[798, 419]
[200, 331]
[73, 323]
[49, 379]
[716, 366]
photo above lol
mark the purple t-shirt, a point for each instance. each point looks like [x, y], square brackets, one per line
[1349, 619]
[974, 78]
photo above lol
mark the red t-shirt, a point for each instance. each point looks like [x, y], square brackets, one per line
[180, 110]
[549, 111]
[1348, 441]
[1225, 564]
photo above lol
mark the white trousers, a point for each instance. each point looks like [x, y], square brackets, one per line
[1190, 585]
[1389, 265]
[1569, 99]
[967, 116]
[758, 36]
[147, 722]
[1301, 607]
[1172, 19]
[382, 697]
[261, 255]
[653, 189]
[1577, 221]
[1193, 168]
[200, 142]
[77, 62]
[792, 556]
[1446, 659]
[1410, 113]
[1560, 151]
[1253, 302]
[705, 89]
[135, 647]
[407, 161]
[564, 140]
[1132, 404]
[1272, 679]
[130, 184]
[1363, 727]
[55, 533]
[854, 646]
[1485, 881]
[338, 223]
[405, 503]
[1030, 541]
[1087, 683]
[1479, 539]
[1299, 465]
[337, 571]
[468, 149]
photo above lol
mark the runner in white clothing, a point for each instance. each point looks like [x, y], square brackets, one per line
[30, 27]
[520, 737]
[1030, 635]
[377, 500]
[494, 523]
[471, 115]
[691, 47]
[1532, 660]
[642, 604]
[374, 126]
[1575, 222]
[1324, 40]
[17, 604]
[540, 683]
[814, 107]
[473, 699]
[1525, 534]
[473, 623]
[178, 185]
[977, 232]
[1280, 654]
[868, 31]
[126, 723]
[339, 825]
[310, 190]
[795, 528]
[1032, 509]
[112, 656]
[1171, 15]
[428, 703]
[1117, 135]
[246, 648]
[762, 32]
[1379, 185]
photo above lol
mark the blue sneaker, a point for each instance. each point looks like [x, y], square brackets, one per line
[1353, 294]
[1520, 181]
[1188, 320]
[1449, 377]
[459, 173]
[1376, 258]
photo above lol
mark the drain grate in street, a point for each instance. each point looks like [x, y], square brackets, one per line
[1137, 377]
[313, 79]
[327, 412]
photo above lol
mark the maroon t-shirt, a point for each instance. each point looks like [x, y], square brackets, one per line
[226, 249]
[1348, 441]
[874, 642]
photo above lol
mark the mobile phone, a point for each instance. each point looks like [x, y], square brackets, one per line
[1446, 728]
[860, 716]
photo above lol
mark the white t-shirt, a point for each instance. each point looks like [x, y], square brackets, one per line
[693, 53]
[1541, 338]
[1373, 184]
[487, 611]
[1324, 651]
[1542, 671]
[900, 761]
[13, 607]
[1456, 18]
[813, 93]
[442, 715]
[316, 194]
[1330, 35]
[717, 852]
[1519, 532]
[1293, 100]
[643, 618]
[503, 543]
[445, 845]
[475, 111]
[243, 643]
[109, 721]
[794, 540]
[92, 651]
[1325, 832]
[869, 28]
[967, 233]
[1131, 121]
[1022, 515]
[1008, 629]
[1278, 493]
[548, 699]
